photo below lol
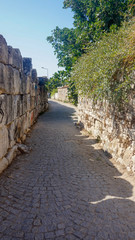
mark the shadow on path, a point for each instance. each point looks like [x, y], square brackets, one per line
[65, 189]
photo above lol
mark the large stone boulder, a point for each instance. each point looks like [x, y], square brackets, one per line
[15, 58]
[34, 75]
[10, 81]
[27, 66]
[4, 86]
[3, 50]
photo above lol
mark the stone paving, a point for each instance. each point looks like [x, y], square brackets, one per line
[65, 188]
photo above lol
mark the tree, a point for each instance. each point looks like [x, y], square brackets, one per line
[95, 15]
[91, 19]
[57, 80]
[65, 46]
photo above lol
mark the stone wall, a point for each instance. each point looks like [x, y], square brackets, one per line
[22, 99]
[63, 94]
[115, 129]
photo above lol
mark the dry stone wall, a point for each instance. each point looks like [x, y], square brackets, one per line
[63, 94]
[115, 129]
[22, 99]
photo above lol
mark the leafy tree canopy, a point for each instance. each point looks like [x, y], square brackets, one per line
[101, 12]
[92, 18]
[65, 46]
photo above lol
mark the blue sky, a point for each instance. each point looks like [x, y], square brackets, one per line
[25, 24]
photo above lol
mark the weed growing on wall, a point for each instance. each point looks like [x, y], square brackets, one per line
[106, 71]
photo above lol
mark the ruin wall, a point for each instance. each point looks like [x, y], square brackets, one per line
[22, 99]
[115, 130]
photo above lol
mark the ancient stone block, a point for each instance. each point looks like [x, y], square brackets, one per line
[27, 66]
[29, 119]
[15, 58]
[3, 109]
[10, 81]
[9, 108]
[4, 83]
[28, 102]
[32, 89]
[32, 117]
[17, 82]
[4, 141]
[24, 104]
[21, 105]
[28, 82]
[21, 100]
[25, 84]
[3, 50]
[16, 104]
[34, 75]
[25, 125]
[11, 132]
[19, 131]
[32, 102]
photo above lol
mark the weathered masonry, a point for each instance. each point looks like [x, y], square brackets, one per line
[22, 98]
[115, 129]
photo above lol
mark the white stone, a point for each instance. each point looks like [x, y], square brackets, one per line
[127, 156]
[133, 158]
[120, 160]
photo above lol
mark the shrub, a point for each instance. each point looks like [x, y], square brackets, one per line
[106, 70]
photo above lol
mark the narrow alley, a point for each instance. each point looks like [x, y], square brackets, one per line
[65, 188]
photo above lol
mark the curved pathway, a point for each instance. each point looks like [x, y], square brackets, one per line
[65, 188]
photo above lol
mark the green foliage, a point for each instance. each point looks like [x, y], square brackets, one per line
[57, 80]
[92, 20]
[131, 7]
[91, 17]
[65, 46]
[55, 90]
[72, 92]
[106, 71]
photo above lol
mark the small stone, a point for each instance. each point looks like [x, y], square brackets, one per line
[23, 148]
[37, 222]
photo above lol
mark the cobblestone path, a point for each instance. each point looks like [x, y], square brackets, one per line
[65, 188]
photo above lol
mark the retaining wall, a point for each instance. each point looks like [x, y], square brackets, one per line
[22, 99]
[115, 129]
